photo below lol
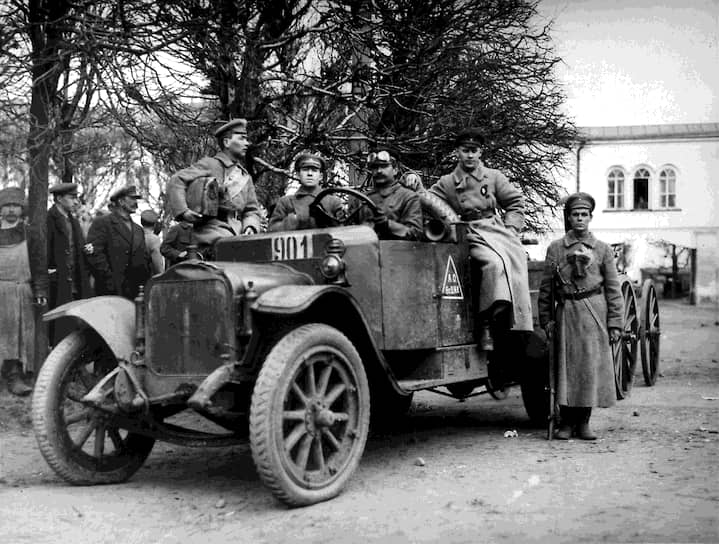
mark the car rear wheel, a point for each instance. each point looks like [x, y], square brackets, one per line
[79, 442]
[309, 416]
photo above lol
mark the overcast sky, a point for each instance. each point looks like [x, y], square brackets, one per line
[634, 62]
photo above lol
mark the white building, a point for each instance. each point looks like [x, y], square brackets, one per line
[655, 183]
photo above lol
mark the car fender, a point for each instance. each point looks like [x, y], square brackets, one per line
[113, 318]
[334, 306]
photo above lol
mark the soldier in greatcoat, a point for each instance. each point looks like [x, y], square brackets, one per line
[589, 314]
[477, 194]
[292, 212]
[239, 211]
[68, 275]
[118, 257]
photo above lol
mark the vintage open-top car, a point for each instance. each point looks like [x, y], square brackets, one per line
[295, 338]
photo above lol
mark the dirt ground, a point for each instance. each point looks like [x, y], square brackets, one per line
[449, 475]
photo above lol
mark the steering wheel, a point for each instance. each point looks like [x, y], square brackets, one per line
[321, 215]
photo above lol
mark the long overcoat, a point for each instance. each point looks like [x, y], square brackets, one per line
[68, 261]
[17, 320]
[119, 260]
[585, 371]
[477, 197]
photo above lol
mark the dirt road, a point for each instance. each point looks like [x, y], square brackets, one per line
[652, 477]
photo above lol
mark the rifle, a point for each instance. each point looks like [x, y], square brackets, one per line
[551, 339]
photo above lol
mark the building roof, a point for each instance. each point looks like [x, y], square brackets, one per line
[680, 131]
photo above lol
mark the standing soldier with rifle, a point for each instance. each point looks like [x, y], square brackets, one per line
[589, 314]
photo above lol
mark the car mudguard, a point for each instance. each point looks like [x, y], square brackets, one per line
[333, 306]
[113, 318]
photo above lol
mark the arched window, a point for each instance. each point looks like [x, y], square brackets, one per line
[615, 189]
[641, 189]
[668, 188]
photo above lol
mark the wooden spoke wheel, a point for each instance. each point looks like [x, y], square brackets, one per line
[81, 443]
[624, 352]
[309, 417]
[650, 333]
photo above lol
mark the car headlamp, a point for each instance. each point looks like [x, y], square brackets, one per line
[331, 267]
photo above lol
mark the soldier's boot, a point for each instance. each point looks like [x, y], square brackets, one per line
[12, 374]
[485, 340]
[566, 423]
[583, 430]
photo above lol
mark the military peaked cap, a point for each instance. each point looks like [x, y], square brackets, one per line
[60, 189]
[579, 200]
[309, 159]
[235, 125]
[128, 190]
[469, 136]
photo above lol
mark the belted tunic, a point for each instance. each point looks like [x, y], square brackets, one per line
[590, 303]
[476, 197]
[238, 200]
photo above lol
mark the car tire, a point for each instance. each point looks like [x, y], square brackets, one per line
[309, 415]
[78, 442]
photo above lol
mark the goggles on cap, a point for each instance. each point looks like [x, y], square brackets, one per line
[380, 157]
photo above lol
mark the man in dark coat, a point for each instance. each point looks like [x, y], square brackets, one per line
[118, 257]
[68, 274]
[590, 313]
[477, 194]
[400, 212]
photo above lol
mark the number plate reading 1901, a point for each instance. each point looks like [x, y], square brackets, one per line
[288, 247]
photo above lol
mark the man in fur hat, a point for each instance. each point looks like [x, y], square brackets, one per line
[589, 314]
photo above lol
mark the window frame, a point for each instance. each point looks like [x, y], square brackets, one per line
[613, 176]
[670, 169]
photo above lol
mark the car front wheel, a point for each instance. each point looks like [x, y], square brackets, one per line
[309, 416]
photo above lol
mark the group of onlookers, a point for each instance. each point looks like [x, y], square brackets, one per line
[115, 258]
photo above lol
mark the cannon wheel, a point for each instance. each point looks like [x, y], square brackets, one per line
[309, 416]
[81, 443]
[625, 351]
[650, 333]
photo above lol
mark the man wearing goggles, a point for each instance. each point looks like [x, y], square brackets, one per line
[400, 213]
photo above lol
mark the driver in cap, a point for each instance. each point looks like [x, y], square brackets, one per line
[292, 212]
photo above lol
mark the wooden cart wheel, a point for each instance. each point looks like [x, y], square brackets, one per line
[649, 333]
[625, 351]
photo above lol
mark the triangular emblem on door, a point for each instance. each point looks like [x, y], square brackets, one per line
[451, 285]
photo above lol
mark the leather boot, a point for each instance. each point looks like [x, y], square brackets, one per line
[12, 374]
[583, 430]
[566, 422]
[485, 340]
